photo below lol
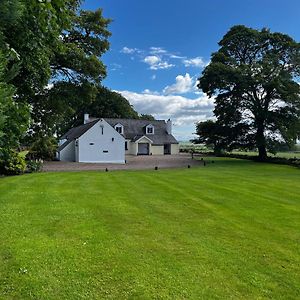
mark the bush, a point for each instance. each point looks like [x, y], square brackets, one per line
[43, 148]
[34, 166]
[11, 162]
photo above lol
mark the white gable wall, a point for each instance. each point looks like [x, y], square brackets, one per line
[108, 147]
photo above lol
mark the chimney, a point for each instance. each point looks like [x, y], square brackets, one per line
[169, 126]
[86, 118]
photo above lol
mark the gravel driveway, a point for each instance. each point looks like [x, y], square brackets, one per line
[132, 163]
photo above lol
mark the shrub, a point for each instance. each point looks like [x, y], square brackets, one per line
[34, 165]
[11, 162]
[43, 148]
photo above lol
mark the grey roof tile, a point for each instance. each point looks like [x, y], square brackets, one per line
[134, 128]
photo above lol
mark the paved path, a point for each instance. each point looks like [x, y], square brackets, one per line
[132, 163]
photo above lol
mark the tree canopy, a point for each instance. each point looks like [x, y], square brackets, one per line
[253, 77]
[54, 50]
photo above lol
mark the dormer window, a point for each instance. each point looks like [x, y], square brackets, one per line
[149, 129]
[119, 128]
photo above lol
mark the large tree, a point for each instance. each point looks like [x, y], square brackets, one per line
[57, 49]
[253, 77]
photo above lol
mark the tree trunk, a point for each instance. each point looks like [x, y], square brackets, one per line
[261, 143]
[262, 153]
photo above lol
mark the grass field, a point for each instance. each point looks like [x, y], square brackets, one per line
[201, 148]
[279, 154]
[227, 230]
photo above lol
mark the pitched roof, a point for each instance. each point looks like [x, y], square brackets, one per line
[75, 133]
[134, 129]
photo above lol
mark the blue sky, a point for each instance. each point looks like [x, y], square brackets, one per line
[159, 49]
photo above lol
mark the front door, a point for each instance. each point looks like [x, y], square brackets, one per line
[143, 149]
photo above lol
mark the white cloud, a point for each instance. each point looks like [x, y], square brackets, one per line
[195, 62]
[127, 50]
[115, 67]
[183, 84]
[147, 91]
[153, 77]
[177, 56]
[156, 63]
[157, 50]
[182, 110]
[152, 60]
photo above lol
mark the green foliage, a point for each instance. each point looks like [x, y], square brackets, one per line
[56, 41]
[11, 162]
[63, 107]
[33, 166]
[34, 36]
[76, 58]
[222, 136]
[110, 104]
[14, 117]
[147, 117]
[76, 72]
[44, 147]
[209, 133]
[253, 78]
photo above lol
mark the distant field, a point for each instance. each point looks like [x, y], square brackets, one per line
[201, 148]
[279, 154]
[229, 230]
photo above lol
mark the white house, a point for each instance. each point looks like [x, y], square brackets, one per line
[107, 140]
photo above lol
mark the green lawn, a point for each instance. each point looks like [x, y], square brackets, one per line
[227, 230]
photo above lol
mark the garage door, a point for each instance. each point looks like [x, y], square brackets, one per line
[143, 149]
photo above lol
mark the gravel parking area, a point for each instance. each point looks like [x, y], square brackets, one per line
[132, 163]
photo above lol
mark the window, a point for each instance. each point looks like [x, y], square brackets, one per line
[150, 129]
[101, 126]
[91, 144]
[119, 128]
[126, 145]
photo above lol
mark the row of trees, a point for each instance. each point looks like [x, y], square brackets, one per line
[253, 79]
[51, 70]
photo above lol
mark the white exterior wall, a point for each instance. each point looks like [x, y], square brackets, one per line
[68, 153]
[76, 151]
[174, 148]
[129, 147]
[157, 150]
[133, 148]
[102, 142]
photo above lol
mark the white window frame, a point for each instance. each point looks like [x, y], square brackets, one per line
[149, 126]
[119, 126]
